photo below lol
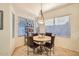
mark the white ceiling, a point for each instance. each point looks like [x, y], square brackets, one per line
[34, 8]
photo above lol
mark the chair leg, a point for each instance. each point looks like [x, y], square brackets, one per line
[27, 51]
[50, 52]
[47, 53]
[46, 50]
[33, 51]
[53, 50]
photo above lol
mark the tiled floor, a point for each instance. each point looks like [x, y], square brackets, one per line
[22, 51]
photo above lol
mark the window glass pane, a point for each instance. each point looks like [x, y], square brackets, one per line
[62, 26]
[21, 26]
[61, 20]
[25, 26]
[59, 26]
[49, 22]
[49, 25]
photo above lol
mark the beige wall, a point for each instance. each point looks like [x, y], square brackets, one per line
[7, 43]
[73, 11]
[12, 39]
[5, 33]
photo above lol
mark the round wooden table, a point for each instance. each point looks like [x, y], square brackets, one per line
[41, 40]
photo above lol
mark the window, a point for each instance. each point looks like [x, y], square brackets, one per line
[62, 26]
[59, 26]
[21, 26]
[25, 26]
[61, 20]
[49, 24]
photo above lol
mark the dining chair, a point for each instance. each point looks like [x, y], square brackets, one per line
[50, 45]
[31, 44]
[48, 34]
[35, 34]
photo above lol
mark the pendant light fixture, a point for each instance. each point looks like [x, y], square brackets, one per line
[41, 16]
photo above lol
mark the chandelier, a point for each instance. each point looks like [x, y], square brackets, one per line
[41, 16]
